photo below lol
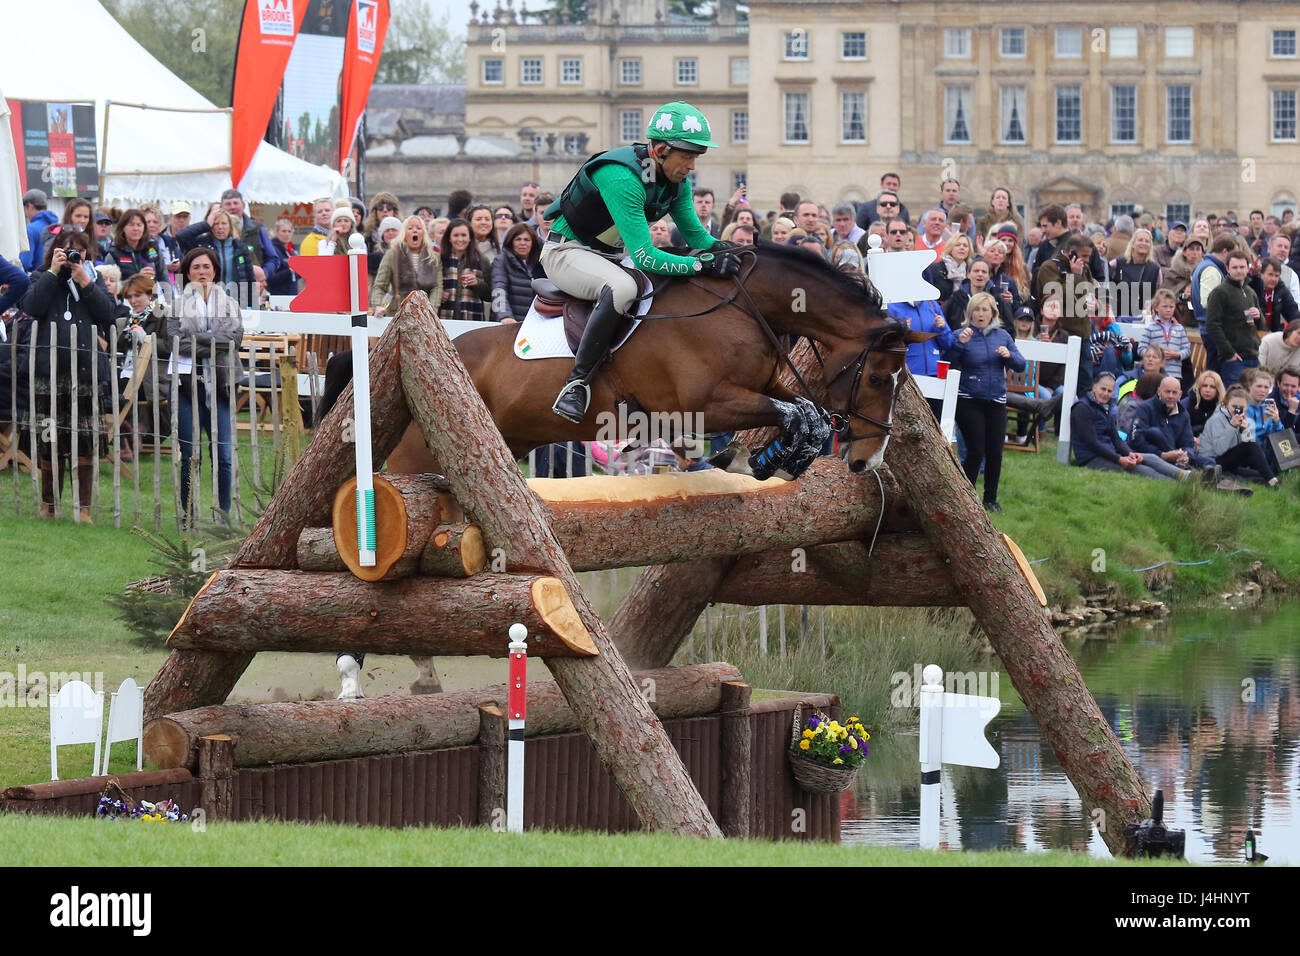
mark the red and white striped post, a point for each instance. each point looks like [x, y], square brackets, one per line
[517, 703]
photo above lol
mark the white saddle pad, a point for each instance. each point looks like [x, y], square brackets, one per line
[542, 336]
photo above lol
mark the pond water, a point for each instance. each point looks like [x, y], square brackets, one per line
[1207, 706]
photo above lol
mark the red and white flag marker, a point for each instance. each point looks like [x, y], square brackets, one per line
[517, 703]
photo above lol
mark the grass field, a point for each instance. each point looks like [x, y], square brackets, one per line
[49, 841]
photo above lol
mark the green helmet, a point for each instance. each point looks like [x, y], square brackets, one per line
[681, 126]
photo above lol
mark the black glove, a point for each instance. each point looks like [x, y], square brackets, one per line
[719, 264]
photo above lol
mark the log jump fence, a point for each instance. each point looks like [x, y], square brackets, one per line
[468, 552]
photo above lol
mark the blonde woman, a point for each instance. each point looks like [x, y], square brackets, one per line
[781, 229]
[984, 351]
[410, 264]
[1136, 275]
[950, 272]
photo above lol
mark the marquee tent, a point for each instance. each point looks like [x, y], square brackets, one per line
[177, 148]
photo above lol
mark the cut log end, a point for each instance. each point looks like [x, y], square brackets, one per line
[454, 550]
[390, 528]
[166, 743]
[555, 607]
[1026, 569]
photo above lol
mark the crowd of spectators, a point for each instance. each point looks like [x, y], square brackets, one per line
[1139, 404]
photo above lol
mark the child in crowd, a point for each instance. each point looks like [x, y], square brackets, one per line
[1168, 333]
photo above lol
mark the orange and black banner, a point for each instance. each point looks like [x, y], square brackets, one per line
[367, 25]
[266, 38]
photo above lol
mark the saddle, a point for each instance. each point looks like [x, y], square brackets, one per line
[553, 302]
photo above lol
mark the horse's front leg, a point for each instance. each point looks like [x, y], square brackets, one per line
[802, 432]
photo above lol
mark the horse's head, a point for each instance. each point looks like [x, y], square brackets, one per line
[861, 390]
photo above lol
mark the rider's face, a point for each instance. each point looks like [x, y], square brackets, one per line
[676, 164]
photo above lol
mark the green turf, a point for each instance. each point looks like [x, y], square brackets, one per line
[50, 841]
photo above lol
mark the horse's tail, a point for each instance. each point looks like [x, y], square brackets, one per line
[338, 372]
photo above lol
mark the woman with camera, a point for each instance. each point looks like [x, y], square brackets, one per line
[1229, 436]
[208, 324]
[64, 296]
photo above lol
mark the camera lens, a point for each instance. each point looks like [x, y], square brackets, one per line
[74, 255]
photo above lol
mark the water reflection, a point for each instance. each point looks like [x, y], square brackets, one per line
[1207, 706]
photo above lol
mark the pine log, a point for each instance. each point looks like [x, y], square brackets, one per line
[652, 519]
[629, 740]
[255, 609]
[190, 678]
[990, 581]
[217, 776]
[640, 628]
[736, 760]
[492, 726]
[904, 570]
[302, 731]
[318, 552]
[454, 551]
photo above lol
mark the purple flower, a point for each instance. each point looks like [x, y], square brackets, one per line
[845, 748]
[813, 723]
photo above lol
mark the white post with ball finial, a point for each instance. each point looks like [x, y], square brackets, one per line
[366, 536]
[517, 705]
[952, 731]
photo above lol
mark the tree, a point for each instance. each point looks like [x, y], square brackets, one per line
[195, 39]
[420, 47]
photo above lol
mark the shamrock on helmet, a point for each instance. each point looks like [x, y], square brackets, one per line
[681, 126]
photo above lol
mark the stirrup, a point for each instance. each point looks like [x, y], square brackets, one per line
[563, 410]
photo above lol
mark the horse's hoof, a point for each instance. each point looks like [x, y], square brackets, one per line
[425, 685]
[733, 458]
[350, 676]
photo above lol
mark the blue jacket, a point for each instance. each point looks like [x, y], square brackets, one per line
[17, 281]
[1093, 433]
[34, 256]
[922, 357]
[983, 371]
[1156, 430]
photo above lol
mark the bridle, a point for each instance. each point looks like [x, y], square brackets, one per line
[841, 422]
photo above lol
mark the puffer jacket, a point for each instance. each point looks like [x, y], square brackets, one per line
[983, 371]
[1157, 430]
[130, 261]
[1218, 436]
[1093, 433]
[512, 290]
[47, 299]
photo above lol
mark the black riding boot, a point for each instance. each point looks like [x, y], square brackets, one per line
[596, 338]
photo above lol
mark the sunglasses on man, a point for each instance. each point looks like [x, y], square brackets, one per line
[886, 204]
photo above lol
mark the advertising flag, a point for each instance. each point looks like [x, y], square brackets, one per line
[367, 25]
[266, 38]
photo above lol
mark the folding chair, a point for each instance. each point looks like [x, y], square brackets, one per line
[1022, 383]
[126, 721]
[76, 717]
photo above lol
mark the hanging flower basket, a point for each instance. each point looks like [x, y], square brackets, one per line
[825, 755]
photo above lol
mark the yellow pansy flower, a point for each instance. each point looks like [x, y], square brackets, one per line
[803, 745]
[837, 760]
[809, 734]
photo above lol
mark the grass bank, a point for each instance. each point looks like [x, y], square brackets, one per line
[50, 841]
[1095, 529]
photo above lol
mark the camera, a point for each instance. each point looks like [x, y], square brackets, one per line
[74, 256]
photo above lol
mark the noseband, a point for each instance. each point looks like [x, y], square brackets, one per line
[842, 423]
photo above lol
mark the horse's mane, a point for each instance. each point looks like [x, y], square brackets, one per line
[851, 283]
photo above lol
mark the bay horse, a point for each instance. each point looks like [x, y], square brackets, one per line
[702, 351]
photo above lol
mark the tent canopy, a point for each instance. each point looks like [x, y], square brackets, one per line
[156, 153]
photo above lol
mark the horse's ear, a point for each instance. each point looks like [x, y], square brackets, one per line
[913, 337]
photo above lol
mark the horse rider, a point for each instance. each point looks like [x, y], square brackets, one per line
[605, 213]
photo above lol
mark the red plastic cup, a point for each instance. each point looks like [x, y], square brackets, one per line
[942, 370]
